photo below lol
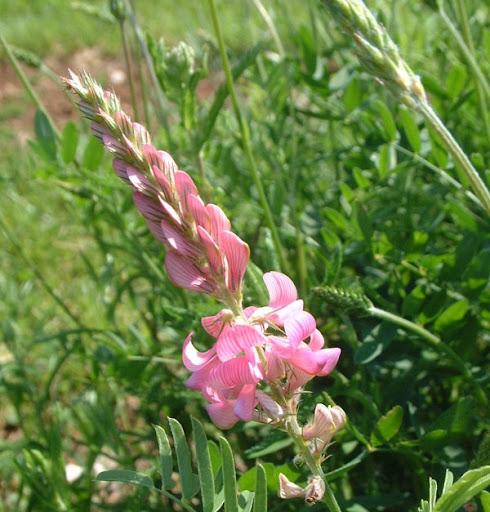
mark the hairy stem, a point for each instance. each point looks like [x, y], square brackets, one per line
[245, 133]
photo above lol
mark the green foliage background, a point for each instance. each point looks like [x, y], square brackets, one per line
[91, 328]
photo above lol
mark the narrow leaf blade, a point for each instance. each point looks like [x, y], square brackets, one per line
[229, 476]
[166, 463]
[204, 468]
[260, 504]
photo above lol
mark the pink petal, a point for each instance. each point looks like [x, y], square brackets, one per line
[326, 422]
[288, 490]
[141, 134]
[215, 324]
[306, 360]
[138, 180]
[281, 289]
[197, 210]
[245, 403]
[235, 372]
[249, 311]
[237, 254]
[120, 166]
[163, 181]
[176, 240]
[213, 253]
[222, 414]
[236, 340]
[170, 211]
[331, 360]
[148, 207]
[269, 405]
[316, 340]
[278, 316]
[185, 274]
[218, 221]
[184, 186]
[156, 230]
[299, 327]
[193, 359]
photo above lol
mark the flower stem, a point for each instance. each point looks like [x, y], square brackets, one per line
[435, 342]
[127, 58]
[245, 133]
[458, 154]
[313, 464]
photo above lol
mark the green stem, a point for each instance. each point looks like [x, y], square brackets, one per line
[270, 25]
[434, 342]
[245, 133]
[466, 46]
[313, 464]
[127, 58]
[27, 85]
[458, 154]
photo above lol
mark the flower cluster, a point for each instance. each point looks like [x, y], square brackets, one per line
[262, 357]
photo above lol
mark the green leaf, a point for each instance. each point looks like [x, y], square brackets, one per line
[410, 129]
[260, 490]
[229, 476]
[187, 477]
[245, 501]
[45, 134]
[69, 142]
[166, 462]
[126, 476]
[204, 469]
[485, 501]
[388, 121]
[93, 154]
[452, 315]
[456, 80]
[387, 426]
[468, 486]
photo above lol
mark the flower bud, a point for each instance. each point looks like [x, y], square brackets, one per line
[270, 406]
[326, 422]
[314, 490]
[289, 489]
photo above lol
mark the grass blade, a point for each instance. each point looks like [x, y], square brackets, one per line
[229, 476]
[204, 469]
[166, 463]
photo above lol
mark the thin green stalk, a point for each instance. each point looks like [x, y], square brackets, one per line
[245, 133]
[458, 154]
[443, 174]
[127, 58]
[270, 25]
[27, 85]
[465, 43]
[467, 52]
[435, 342]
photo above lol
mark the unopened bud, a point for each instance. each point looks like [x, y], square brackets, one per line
[314, 490]
[288, 489]
[326, 422]
[270, 406]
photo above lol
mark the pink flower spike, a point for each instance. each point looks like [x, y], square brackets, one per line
[281, 289]
[185, 274]
[238, 339]
[237, 255]
[192, 358]
[299, 327]
[222, 414]
[245, 403]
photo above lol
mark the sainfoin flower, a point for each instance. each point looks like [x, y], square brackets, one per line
[261, 357]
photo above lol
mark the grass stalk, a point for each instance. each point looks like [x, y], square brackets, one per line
[127, 59]
[245, 133]
[465, 43]
[27, 84]
[271, 26]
